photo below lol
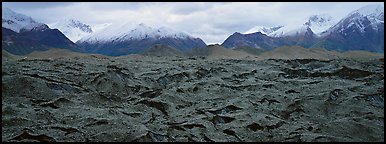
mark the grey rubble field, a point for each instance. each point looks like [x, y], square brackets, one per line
[192, 99]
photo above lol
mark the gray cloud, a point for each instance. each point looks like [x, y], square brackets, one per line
[35, 5]
[115, 5]
[185, 8]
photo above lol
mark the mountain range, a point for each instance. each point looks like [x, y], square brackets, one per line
[117, 40]
[362, 29]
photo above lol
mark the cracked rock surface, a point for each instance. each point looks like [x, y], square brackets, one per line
[192, 99]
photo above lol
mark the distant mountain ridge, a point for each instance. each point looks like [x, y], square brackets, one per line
[300, 33]
[362, 29]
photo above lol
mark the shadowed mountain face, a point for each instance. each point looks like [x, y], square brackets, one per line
[306, 39]
[52, 38]
[139, 45]
[353, 38]
[362, 29]
[17, 44]
[257, 40]
[26, 42]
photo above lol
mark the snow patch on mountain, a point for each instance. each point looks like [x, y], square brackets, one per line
[263, 30]
[98, 27]
[16, 22]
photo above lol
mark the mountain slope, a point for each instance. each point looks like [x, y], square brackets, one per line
[320, 23]
[117, 40]
[299, 33]
[19, 22]
[7, 56]
[316, 23]
[257, 40]
[72, 28]
[362, 29]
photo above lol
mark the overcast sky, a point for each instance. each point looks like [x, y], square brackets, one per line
[212, 22]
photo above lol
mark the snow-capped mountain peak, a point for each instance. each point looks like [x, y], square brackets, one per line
[263, 30]
[123, 32]
[320, 23]
[369, 16]
[374, 13]
[78, 24]
[290, 30]
[316, 23]
[16, 22]
[143, 31]
[128, 38]
[370, 10]
[72, 28]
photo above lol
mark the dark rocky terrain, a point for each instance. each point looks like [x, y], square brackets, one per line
[191, 99]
